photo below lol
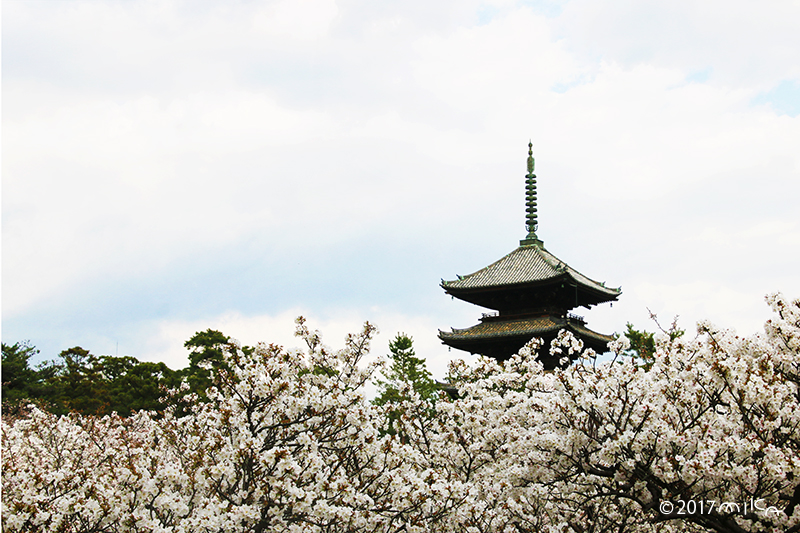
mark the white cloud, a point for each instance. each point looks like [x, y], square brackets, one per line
[270, 137]
[742, 43]
[296, 19]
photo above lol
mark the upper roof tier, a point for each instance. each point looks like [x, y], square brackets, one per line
[528, 278]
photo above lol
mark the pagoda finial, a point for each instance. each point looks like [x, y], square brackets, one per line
[531, 222]
[530, 157]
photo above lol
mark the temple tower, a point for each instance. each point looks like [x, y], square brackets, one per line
[531, 292]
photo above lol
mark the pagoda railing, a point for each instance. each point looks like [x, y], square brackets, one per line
[576, 318]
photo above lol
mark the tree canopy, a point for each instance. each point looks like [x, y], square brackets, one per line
[406, 377]
[706, 438]
[81, 382]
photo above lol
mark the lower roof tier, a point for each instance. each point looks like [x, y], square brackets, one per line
[503, 338]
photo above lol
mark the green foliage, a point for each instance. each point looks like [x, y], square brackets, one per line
[643, 345]
[82, 387]
[20, 381]
[79, 381]
[84, 383]
[205, 358]
[134, 385]
[406, 373]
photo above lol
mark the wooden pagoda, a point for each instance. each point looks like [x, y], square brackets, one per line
[531, 292]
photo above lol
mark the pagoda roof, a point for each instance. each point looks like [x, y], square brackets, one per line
[530, 326]
[530, 264]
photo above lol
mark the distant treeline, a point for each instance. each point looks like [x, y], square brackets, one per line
[79, 381]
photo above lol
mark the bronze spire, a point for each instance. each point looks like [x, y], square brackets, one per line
[531, 224]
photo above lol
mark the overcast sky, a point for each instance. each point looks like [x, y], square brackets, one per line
[174, 166]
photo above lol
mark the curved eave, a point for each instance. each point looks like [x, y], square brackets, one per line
[527, 267]
[598, 293]
[563, 293]
[531, 327]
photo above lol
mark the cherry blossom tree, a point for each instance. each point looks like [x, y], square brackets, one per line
[706, 439]
[703, 439]
[286, 443]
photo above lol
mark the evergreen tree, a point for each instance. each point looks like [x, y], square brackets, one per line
[134, 385]
[81, 382]
[19, 379]
[406, 372]
[206, 358]
[82, 387]
[643, 345]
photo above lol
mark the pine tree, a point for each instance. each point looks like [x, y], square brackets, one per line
[406, 372]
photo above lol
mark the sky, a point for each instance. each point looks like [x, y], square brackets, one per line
[174, 166]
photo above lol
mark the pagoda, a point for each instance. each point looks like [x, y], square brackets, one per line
[531, 292]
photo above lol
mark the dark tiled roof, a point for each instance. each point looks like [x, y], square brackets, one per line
[533, 326]
[526, 264]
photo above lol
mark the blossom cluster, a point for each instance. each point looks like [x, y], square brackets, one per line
[287, 442]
